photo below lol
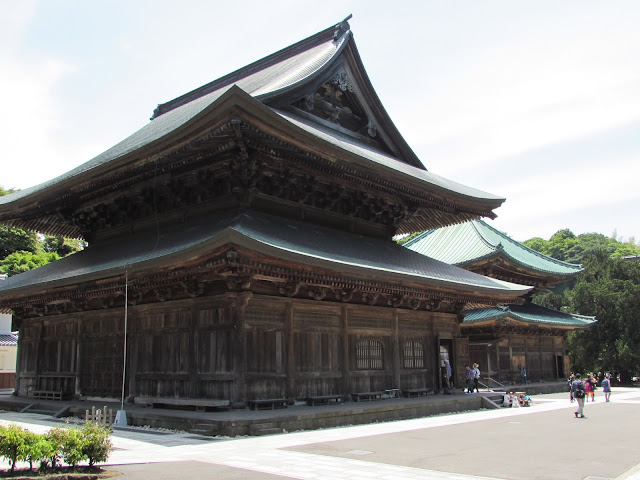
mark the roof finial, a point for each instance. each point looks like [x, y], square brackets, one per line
[342, 28]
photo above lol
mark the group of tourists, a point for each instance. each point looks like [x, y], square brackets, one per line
[473, 378]
[580, 390]
[516, 399]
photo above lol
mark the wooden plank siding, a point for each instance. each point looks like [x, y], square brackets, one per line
[235, 347]
[504, 358]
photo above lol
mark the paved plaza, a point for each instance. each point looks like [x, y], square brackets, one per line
[542, 442]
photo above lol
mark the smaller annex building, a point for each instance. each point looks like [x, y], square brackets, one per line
[504, 339]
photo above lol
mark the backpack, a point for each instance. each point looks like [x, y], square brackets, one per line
[579, 389]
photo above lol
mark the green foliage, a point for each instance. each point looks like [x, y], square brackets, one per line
[72, 443]
[92, 443]
[609, 288]
[34, 445]
[401, 240]
[21, 250]
[16, 240]
[12, 444]
[19, 262]
[61, 245]
[96, 442]
[55, 437]
[565, 246]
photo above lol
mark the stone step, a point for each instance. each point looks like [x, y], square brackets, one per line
[267, 431]
[267, 428]
[205, 429]
[41, 411]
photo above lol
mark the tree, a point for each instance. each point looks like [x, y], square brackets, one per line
[19, 262]
[609, 288]
[565, 246]
[21, 250]
[61, 245]
[16, 240]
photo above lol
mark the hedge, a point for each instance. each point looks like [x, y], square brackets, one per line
[73, 445]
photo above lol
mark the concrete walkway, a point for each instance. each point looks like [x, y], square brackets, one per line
[542, 442]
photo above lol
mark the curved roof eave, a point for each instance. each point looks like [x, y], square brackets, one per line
[563, 268]
[528, 314]
[232, 102]
[295, 241]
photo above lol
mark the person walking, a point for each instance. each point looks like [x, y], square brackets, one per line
[606, 387]
[578, 393]
[523, 376]
[476, 376]
[447, 367]
[589, 387]
[470, 375]
[445, 379]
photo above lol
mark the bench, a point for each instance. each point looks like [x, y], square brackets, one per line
[324, 399]
[48, 395]
[200, 404]
[416, 392]
[268, 403]
[392, 392]
[357, 397]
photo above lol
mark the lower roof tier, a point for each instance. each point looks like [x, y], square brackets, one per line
[277, 245]
[528, 314]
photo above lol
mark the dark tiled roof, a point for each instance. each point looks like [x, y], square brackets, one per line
[294, 241]
[276, 72]
[371, 154]
[527, 313]
[300, 65]
[473, 241]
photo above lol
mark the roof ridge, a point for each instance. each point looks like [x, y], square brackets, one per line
[531, 250]
[486, 241]
[335, 31]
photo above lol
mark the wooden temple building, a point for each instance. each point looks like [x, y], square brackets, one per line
[503, 339]
[240, 247]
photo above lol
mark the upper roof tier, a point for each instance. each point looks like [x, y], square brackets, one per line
[477, 246]
[310, 103]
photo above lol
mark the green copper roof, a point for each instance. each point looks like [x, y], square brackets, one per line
[527, 313]
[474, 241]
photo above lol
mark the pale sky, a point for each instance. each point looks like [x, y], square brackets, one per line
[536, 101]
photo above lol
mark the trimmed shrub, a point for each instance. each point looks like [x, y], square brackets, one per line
[72, 443]
[55, 438]
[97, 444]
[92, 442]
[13, 444]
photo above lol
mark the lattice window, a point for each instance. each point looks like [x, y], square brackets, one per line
[369, 355]
[413, 354]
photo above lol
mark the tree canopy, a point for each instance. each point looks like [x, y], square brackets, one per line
[22, 250]
[566, 246]
[609, 289]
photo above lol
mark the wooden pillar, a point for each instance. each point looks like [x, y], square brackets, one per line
[240, 362]
[291, 367]
[346, 371]
[395, 350]
[20, 363]
[79, 356]
[192, 361]
[436, 357]
[39, 347]
[133, 337]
